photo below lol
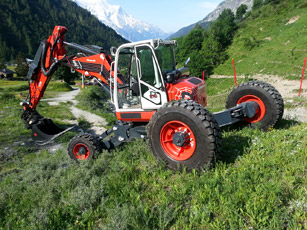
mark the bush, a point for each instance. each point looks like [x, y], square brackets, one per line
[93, 98]
[59, 87]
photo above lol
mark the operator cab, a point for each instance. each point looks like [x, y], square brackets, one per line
[143, 66]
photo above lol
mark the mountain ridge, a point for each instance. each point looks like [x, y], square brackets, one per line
[205, 22]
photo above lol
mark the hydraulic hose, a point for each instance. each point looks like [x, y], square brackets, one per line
[43, 60]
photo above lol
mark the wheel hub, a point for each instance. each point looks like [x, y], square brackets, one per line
[81, 151]
[260, 111]
[178, 140]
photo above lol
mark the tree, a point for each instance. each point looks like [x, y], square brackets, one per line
[223, 28]
[213, 54]
[257, 4]
[241, 11]
[196, 65]
[64, 73]
[2, 63]
[191, 42]
[22, 66]
[272, 1]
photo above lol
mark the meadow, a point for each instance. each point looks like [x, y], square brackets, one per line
[258, 182]
[271, 41]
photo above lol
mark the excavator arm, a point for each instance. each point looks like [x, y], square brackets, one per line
[90, 61]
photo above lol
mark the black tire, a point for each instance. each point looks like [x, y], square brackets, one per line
[199, 152]
[264, 94]
[83, 147]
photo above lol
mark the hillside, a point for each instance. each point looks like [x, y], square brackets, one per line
[272, 40]
[24, 23]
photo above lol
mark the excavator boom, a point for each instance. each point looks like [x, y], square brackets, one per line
[90, 61]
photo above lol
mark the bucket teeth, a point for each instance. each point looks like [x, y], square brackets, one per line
[46, 131]
[43, 129]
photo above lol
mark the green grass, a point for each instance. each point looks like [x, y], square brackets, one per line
[59, 86]
[22, 87]
[279, 49]
[14, 137]
[295, 102]
[218, 91]
[259, 182]
[93, 99]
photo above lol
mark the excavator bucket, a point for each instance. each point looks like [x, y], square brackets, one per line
[46, 131]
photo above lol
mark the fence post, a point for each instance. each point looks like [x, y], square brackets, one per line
[82, 81]
[299, 94]
[234, 71]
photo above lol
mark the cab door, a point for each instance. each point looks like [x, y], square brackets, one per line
[151, 84]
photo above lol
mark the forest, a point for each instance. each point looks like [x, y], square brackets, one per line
[25, 23]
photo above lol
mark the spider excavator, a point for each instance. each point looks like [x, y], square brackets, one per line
[151, 100]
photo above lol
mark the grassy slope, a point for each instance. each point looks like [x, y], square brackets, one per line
[283, 55]
[13, 135]
[259, 182]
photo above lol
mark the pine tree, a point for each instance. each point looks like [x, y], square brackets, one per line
[223, 28]
[2, 63]
[241, 11]
[22, 66]
[64, 73]
[257, 4]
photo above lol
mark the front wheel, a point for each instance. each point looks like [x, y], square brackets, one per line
[83, 147]
[184, 134]
[269, 100]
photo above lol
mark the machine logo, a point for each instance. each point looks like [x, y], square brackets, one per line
[185, 93]
[91, 60]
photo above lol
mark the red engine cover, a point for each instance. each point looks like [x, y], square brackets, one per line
[188, 88]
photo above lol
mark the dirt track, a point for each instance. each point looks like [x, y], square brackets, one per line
[97, 123]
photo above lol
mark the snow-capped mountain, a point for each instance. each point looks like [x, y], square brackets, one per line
[115, 17]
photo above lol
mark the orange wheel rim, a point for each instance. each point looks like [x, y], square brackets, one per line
[185, 146]
[261, 111]
[81, 151]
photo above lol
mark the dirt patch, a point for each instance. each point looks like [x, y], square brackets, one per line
[97, 122]
[298, 114]
[268, 39]
[287, 88]
[293, 20]
[64, 97]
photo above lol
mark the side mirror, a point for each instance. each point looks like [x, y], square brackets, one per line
[187, 62]
[170, 77]
[113, 51]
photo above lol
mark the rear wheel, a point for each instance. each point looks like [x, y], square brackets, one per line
[184, 134]
[271, 105]
[83, 147]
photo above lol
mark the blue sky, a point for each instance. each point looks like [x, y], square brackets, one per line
[169, 15]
